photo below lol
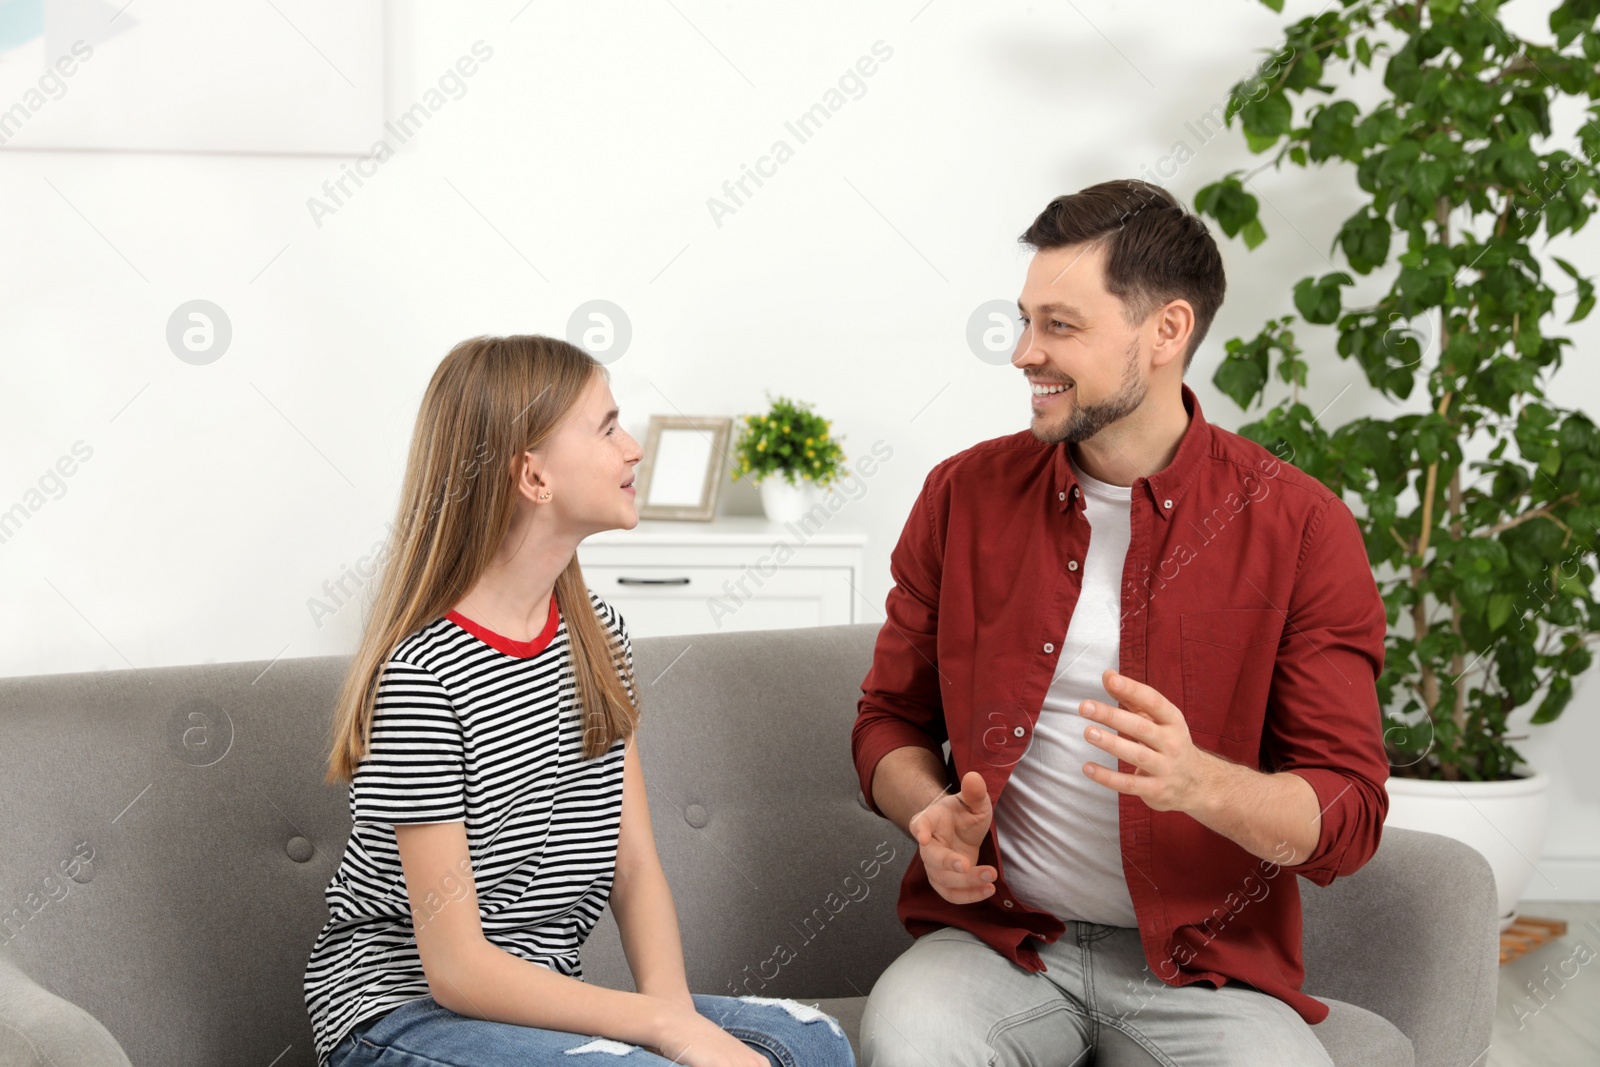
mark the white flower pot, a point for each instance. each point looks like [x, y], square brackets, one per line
[783, 502]
[1503, 820]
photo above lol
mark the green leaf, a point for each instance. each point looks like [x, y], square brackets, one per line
[1365, 239]
[1565, 25]
[1399, 381]
[1253, 233]
[1551, 461]
[1429, 178]
[1500, 605]
[1228, 203]
[1427, 446]
[1304, 72]
[1319, 301]
[1240, 379]
[1522, 165]
[1259, 142]
[1585, 290]
[1555, 700]
[1269, 117]
[1584, 306]
[1332, 131]
[1577, 433]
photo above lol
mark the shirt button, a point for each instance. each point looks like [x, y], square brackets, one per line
[1074, 490]
[1072, 564]
[1061, 496]
[1049, 648]
[1019, 731]
[1007, 903]
[1166, 503]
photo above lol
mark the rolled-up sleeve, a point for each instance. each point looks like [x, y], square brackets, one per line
[1323, 718]
[900, 703]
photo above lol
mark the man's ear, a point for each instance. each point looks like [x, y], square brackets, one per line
[1174, 327]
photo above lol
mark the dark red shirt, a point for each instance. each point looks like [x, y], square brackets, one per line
[1247, 600]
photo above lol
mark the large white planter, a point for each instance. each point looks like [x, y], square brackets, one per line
[1503, 820]
[783, 502]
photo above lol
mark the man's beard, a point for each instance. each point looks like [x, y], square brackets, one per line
[1087, 420]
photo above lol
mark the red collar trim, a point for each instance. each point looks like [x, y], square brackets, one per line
[501, 643]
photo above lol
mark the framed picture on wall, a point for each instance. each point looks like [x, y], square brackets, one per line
[681, 473]
[293, 77]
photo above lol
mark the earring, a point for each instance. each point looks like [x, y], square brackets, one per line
[545, 495]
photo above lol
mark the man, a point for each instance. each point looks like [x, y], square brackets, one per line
[1152, 646]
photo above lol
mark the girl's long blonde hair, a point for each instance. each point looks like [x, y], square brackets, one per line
[490, 400]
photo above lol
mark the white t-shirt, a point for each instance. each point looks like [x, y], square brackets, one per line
[1057, 829]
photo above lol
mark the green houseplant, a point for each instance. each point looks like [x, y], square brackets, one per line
[791, 453]
[788, 440]
[1480, 498]
[1479, 510]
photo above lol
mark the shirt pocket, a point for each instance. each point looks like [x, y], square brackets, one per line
[1228, 659]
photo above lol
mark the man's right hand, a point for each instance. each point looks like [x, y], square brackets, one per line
[948, 833]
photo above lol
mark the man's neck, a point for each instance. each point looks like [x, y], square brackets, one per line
[1136, 446]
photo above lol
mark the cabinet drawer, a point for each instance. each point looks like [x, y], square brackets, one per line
[658, 601]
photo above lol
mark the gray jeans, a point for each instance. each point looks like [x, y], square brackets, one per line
[950, 999]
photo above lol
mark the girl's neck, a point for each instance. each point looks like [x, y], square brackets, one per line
[512, 596]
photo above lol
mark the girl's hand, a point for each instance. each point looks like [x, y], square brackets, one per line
[690, 1038]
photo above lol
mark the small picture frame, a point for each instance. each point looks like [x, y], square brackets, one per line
[681, 473]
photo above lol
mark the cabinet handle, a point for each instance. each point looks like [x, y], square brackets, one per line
[652, 581]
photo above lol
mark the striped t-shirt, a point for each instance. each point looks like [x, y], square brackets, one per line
[471, 726]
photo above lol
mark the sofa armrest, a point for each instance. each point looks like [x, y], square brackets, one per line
[40, 1029]
[1413, 936]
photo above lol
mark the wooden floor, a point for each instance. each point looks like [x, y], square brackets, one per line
[1557, 1021]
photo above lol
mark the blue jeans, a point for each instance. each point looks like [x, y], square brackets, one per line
[421, 1033]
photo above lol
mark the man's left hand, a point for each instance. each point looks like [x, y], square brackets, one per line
[1170, 772]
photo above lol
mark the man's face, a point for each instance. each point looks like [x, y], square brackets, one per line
[1075, 338]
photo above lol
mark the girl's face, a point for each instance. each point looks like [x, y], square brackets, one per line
[588, 466]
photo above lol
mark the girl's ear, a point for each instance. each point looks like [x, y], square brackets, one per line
[530, 482]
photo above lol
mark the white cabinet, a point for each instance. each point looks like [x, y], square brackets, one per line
[736, 572]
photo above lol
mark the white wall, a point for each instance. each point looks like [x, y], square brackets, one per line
[578, 165]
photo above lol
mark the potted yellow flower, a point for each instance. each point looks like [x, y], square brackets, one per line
[790, 454]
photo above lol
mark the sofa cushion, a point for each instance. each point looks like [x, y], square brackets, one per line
[39, 1029]
[1356, 1037]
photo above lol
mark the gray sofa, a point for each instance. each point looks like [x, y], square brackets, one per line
[165, 838]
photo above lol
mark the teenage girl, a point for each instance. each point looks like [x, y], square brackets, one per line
[486, 727]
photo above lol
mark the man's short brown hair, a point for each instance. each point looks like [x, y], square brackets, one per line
[1156, 251]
